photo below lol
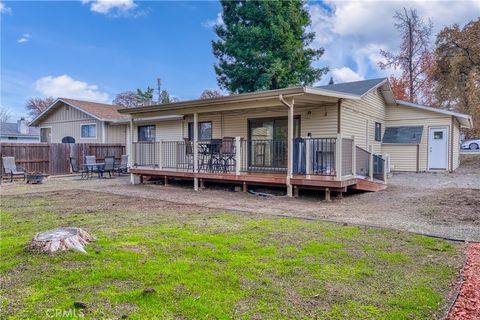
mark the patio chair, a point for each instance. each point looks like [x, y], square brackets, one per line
[188, 153]
[90, 164]
[75, 169]
[11, 169]
[123, 166]
[109, 166]
[227, 152]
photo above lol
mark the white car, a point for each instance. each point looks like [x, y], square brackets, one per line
[472, 144]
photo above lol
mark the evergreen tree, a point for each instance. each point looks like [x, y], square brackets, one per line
[264, 45]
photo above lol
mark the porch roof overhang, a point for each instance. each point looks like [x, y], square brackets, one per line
[302, 96]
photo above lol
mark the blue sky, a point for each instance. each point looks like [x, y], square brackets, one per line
[95, 49]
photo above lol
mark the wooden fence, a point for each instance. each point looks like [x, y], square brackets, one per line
[54, 158]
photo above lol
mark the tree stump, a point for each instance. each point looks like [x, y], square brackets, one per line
[60, 239]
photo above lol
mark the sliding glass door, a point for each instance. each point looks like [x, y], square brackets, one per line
[268, 143]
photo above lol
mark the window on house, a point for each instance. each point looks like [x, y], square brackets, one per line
[378, 131]
[146, 133]
[204, 131]
[89, 131]
[45, 135]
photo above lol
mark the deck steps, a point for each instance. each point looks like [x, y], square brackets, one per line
[368, 185]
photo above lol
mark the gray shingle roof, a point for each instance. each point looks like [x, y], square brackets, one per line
[11, 129]
[403, 135]
[355, 87]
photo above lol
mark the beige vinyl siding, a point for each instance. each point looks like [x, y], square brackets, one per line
[408, 116]
[456, 144]
[66, 121]
[116, 133]
[169, 130]
[402, 157]
[322, 121]
[358, 118]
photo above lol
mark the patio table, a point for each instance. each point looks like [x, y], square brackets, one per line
[91, 167]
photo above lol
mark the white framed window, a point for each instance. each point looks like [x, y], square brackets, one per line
[88, 131]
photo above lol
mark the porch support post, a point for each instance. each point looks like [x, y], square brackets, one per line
[160, 154]
[354, 157]
[289, 144]
[131, 151]
[308, 157]
[338, 157]
[238, 156]
[195, 150]
[370, 163]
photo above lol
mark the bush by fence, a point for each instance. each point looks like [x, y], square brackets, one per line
[53, 158]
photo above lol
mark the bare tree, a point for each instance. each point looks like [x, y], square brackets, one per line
[36, 105]
[208, 94]
[5, 115]
[414, 52]
[127, 99]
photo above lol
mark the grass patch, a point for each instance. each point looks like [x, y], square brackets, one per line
[210, 264]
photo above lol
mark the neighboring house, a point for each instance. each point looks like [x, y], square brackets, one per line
[330, 137]
[76, 121]
[18, 132]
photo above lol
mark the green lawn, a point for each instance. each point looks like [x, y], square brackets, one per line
[215, 265]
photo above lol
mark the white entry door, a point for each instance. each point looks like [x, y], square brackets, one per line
[437, 148]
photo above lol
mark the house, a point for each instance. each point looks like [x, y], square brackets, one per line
[19, 132]
[334, 137]
[77, 121]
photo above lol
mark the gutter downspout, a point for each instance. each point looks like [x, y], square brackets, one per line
[289, 144]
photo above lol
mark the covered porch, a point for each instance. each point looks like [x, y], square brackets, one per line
[289, 139]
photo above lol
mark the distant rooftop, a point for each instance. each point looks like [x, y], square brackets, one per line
[10, 129]
[356, 87]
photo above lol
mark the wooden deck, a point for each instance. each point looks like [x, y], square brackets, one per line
[267, 179]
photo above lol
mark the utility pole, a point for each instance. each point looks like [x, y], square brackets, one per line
[159, 85]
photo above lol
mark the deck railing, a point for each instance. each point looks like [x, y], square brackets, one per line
[378, 167]
[362, 161]
[329, 156]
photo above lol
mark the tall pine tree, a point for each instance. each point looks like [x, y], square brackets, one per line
[265, 45]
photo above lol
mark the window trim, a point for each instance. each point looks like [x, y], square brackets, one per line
[143, 126]
[199, 123]
[378, 137]
[88, 124]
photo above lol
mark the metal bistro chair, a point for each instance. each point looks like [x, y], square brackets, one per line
[215, 163]
[75, 169]
[123, 166]
[227, 154]
[90, 164]
[188, 153]
[10, 168]
[109, 166]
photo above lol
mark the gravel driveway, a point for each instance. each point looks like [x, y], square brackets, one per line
[441, 204]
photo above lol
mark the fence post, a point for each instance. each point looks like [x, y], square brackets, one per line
[160, 154]
[308, 157]
[238, 155]
[370, 162]
[338, 157]
[354, 157]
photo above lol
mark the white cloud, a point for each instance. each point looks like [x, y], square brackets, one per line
[353, 31]
[115, 7]
[213, 22]
[4, 8]
[66, 86]
[24, 38]
[345, 74]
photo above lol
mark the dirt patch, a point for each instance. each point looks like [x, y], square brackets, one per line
[452, 205]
